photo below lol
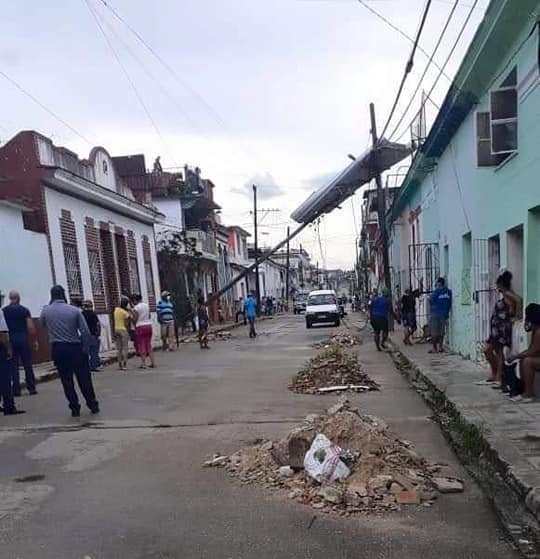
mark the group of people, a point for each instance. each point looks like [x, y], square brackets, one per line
[73, 349]
[502, 347]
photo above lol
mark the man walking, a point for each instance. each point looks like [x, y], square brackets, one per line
[6, 366]
[379, 314]
[440, 306]
[165, 315]
[70, 337]
[21, 329]
[250, 310]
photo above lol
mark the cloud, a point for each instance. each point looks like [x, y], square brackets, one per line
[267, 187]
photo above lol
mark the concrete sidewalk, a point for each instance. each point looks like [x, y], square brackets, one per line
[497, 439]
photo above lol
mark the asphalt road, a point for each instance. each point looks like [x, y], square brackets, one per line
[129, 483]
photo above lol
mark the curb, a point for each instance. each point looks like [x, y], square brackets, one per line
[509, 495]
[52, 373]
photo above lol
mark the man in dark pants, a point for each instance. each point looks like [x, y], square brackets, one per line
[69, 337]
[6, 392]
[21, 330]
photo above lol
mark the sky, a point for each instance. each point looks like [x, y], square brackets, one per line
[268, 92]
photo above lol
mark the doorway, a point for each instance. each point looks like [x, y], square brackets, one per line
[514, 247]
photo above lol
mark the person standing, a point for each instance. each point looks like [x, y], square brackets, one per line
[250, 310]
[92, 320]
[202, 317]
[165, 314]
[408, 313]
[143, 331]
[122, 318]
[440, 306]
[6, 368]
[69, 337]
[21, 329]
[379, 312]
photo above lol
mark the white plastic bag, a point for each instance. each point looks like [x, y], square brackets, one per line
[322, 461]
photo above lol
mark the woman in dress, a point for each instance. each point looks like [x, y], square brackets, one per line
[143, 331]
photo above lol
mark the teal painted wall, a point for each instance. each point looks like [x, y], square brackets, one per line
[458, 197]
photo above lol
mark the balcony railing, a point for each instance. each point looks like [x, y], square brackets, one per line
[205, 242]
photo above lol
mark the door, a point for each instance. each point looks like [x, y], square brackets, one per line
[485, 264]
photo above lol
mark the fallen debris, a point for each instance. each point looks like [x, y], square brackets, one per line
[341, 462]
[343, 338]
[222, 335]
[332, 370]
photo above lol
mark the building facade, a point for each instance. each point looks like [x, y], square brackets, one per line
[470, 203]
[99, 239]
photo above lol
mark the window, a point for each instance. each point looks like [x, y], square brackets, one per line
[73, 273]
[496, 130]
[504, 116]
[149, 276]
[135, 287]
[105, 167]
[96, 278]
[466, 292]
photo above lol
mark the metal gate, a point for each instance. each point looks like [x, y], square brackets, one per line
[486, 259]
[424, 269]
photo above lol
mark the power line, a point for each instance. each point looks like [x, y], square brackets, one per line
[401, 32]
[441, 36]
[44, 107]
[150, 75]
[209, 108]
[408, 67]
[126, 73]
[450, 54]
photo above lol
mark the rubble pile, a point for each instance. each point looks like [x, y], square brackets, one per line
[342, 338]
[212, 337]
[342, 462]
[332, 370]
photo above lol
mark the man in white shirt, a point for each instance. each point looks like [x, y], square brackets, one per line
[6, 391]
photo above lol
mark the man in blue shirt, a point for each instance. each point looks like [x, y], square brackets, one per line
[379, 312]
[166, 318]
[250, 309]
[440, 304]
[6, 392]
[21, 330]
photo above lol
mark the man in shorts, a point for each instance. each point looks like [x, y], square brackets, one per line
[379, 312]
[165, 315]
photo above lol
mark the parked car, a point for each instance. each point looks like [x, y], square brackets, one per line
[322, 308]
[300, 303]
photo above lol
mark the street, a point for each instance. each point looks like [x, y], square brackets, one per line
[129, 483]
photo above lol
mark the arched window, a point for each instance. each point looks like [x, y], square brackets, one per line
[105, 167]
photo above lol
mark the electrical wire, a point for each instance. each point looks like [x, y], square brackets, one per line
[149, 74]
[430, 61]
[209, 108]
[450, 54]
[44, 107]
[126, 74]
[408, 67]
[401, 32]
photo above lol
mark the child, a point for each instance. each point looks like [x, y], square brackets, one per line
[202, 315]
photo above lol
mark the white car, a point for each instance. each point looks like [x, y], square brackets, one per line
[322, 307]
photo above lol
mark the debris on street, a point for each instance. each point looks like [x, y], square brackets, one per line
[343, 338]
[333, 369]
[342, 462]
[212, 337]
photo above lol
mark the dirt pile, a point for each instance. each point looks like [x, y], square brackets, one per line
[385, 473]
[342, 338]
[332, 369]
[212, 337]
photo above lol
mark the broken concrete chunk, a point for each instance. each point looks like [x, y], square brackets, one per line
[286, 471]
[341, 404]
[268, 445]
[295, 493]
[448, 485]
[380, 482]
[331, 494]
[216, 462]
[299, 443]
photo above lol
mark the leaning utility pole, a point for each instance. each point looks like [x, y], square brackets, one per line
[381, 205]
[257, 286]
[288, 271]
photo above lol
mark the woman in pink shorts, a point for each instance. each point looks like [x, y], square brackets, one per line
[143, 331]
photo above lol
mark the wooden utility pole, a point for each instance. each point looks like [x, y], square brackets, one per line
[381, 205]
[288, 271]
[256, 242]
